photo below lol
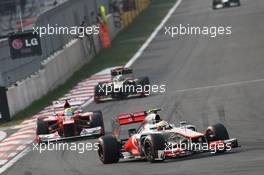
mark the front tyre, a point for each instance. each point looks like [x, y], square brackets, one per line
[145, 85]
[97, 120]
[109, 149]
[153, 143]
[99, 91]
[42, 127]
[217, 132]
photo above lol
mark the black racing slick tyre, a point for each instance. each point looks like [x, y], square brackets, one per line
[98, 120]
[217, 132]
[101, 90]
[98, 92]
[68, 130]
[215, 4]
[42, 127]
[238, 3]
[153, 143]
[145, 83]
[109, 149]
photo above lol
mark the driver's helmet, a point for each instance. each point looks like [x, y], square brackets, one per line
[119, 78]
[152, 119]
[68, 112]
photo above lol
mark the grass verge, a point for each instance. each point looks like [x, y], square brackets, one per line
[124, 46]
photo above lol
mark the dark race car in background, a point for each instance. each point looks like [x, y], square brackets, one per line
[57, 126]
[217, 4]
[122, 85]
[131, 141]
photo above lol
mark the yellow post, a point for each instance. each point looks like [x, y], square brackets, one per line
[104, 14]
[128, 17]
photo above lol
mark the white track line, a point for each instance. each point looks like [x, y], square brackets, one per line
[220, 85]
[153, 35]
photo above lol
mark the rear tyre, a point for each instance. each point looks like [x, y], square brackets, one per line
[144, 82]
[238, 3]
[214, 5]
[98, 120]
[152, 144]
[109, 149]
[97, 99]
[124, 93]
[42, 127]
[99, 91]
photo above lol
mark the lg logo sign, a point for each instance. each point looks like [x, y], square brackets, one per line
[23, 45]
[18, 43]
[32, 42]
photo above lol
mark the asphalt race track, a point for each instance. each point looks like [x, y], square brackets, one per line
[208, 80]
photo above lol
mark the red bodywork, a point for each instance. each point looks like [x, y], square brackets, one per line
[131, 144]
[130, 118]
[59, 121]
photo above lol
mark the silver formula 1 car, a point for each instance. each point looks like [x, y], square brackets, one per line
[122, 85]
[217, 4]
[136, 136]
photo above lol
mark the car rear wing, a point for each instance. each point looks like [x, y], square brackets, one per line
[121, 71]
[135, 117]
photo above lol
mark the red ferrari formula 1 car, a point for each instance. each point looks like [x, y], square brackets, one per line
[66, 123]
[143, 135]
[122, 85]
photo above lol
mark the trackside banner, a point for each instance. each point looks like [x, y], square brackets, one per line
[24, 44]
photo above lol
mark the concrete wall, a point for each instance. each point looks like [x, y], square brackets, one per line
[58, 67]
[55, 71]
